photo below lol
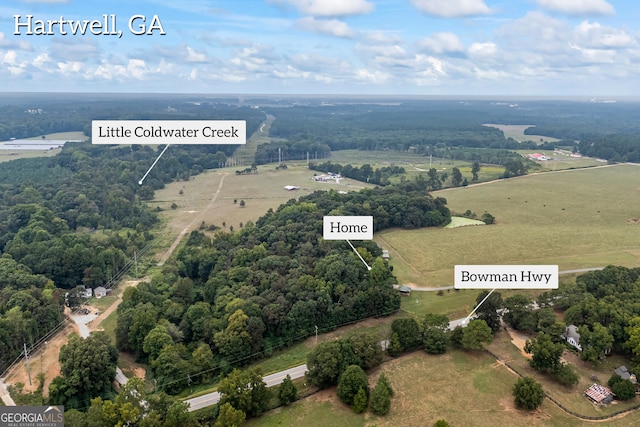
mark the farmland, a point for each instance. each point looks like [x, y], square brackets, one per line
[576, 219]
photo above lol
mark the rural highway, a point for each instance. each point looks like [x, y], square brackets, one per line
[210, 399]
[445, 288]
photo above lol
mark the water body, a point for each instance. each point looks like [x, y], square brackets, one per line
[33, 144]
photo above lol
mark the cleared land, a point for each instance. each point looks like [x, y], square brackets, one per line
[6, 155]
[517, 132]
[466, 389]
[260, 191]
[576, 219]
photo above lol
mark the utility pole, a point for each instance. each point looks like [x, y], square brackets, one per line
[316, 334]
[26, 362]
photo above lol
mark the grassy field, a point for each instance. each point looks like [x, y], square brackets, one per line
[6, 155]
[517, 132]
[576, 219]
[466, 389]
[260, 191]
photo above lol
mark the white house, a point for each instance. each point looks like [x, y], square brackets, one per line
[572, 336]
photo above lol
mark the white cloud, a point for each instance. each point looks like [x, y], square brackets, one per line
[441, 43]
[452, 8]
[333, 27]
[193, 56]
[393, 51]
[14, 44]
[578, 7]
[372, 76]
[71, 67]
[40, 60]
[382, 37]
[330, 7]
[596, 36]
[483, 49]
[9, 57]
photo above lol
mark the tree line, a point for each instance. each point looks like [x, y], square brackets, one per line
[235, 297]
[364, 173]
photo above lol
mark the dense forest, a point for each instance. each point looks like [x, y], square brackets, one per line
[239, 296]
[78, 217]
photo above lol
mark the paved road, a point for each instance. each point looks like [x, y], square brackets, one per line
[446, 288]
[210, 399]
[4, 394]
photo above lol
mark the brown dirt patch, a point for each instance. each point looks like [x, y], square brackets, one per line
[519, 340]
[44, 360]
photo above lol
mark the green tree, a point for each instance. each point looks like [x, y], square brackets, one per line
[441, 423]
[246, 391]
[408, 332]
[566, 375]
[476, 333]
[623, 389]
[395, 348]
[328, 360]
[456, 177]
[434, 334]
[382, 379]
[203, 361]
[228, 416]
[366, 347]
[633, 342]
[528, 394]
[520, 313]
[545, 353]
[88, 366]
[351, 380]
[235, 342]
[287, 392]
[514, 167]
[595, 341]
[155, 341]
[475, 168]
[360, 401]
[488, 310]
[380, 399]
[171, 368]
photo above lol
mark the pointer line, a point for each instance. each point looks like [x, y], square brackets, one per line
[359, 256]
[154, 163]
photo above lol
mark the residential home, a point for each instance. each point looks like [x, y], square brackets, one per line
[101, 292]
[572, 336]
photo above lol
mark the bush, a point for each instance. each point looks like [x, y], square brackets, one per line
[380, 400]
[360, 401]
[528, 393]
[624, 389]
[287, 391]
[566, 375]
[350, 382]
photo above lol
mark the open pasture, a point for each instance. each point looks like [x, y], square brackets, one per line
[576, 219]
[464, 388]
[260, 192]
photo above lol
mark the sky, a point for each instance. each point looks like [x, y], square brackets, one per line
[324, 47]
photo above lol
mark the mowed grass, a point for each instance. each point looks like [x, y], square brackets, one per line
[575, 219]
[261, 191]
[464, 388]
